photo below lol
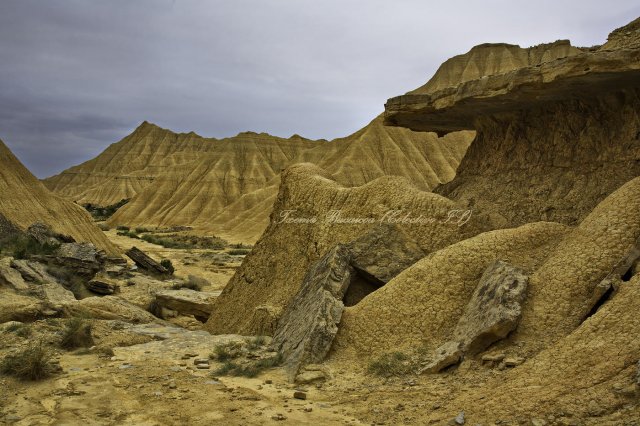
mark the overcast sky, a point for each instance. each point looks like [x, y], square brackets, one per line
[77, 75]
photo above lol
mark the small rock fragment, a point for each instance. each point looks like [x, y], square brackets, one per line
[300, 395]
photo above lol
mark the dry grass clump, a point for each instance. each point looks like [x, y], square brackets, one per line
[250, 368]
[76, 334]
[32, 363]
[392, 364]
[227, 351]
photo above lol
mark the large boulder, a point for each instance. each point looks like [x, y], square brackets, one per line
[493, 311]
[309, 324]
[102, 285]
[83, 258]
[11, 277]
[187, 302]
[108, 308]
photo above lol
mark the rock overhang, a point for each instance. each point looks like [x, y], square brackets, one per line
[583, 76]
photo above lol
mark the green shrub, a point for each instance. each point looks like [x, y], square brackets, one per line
[239, 252]
[32, 363]
[129, 234]
[249, 369]
[257, 343]
[122, 228]
[168, 265]
[104, 213]
[22, 330]
[227, 351]
[77, 334]
[23, 246]
[141, 230]
[391, 364]
[186, 241]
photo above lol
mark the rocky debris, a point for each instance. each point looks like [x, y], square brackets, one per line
[446, 355]
[492, 359]
[279, 417]
[145, 262]
[11, 277]
[102, 285]
[187, 302]
[312, 373]
[513, 361]
[309, 324]
[108, 308]
[300, 395]
[459, 420]
[83, 258]
[493, 311]
[31, 271]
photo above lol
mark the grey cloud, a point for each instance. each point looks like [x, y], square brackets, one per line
[77, 75]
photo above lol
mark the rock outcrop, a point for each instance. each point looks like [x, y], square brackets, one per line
[547, 135]
[24, 201]
[313, 214]
[145, 262]
[187, 302]
[491, 314]
[309, 324]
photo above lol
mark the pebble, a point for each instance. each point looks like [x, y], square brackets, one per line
[279, 417]
[459, 420]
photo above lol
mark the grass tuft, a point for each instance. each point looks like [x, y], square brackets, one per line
[33, 363]
[391, 364]
[227, 351]
[77, 334]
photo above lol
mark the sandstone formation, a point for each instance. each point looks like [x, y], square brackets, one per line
[24, 200]
[548, 133]
[228, 186]
[145, 262]
[187, 302]
[311, 215]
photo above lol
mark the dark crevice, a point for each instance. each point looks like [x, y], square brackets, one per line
[362, 284]
[628, 275]
[603, 299]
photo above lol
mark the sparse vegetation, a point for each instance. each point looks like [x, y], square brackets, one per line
[103, 226]
[227, 351]
[186, 241]
[239, 252]
[77, 334]
[129, 234]
[193, 283]
[392, 364]
[100, 213]
[250, 368]
[21, 247]
[257, 343]
[32, 363]
[168, 265]
[140, 230]
[22, 330]
[122, 228]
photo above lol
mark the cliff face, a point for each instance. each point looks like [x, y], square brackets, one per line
[24, 200]
[227, 186]
[552, 139]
